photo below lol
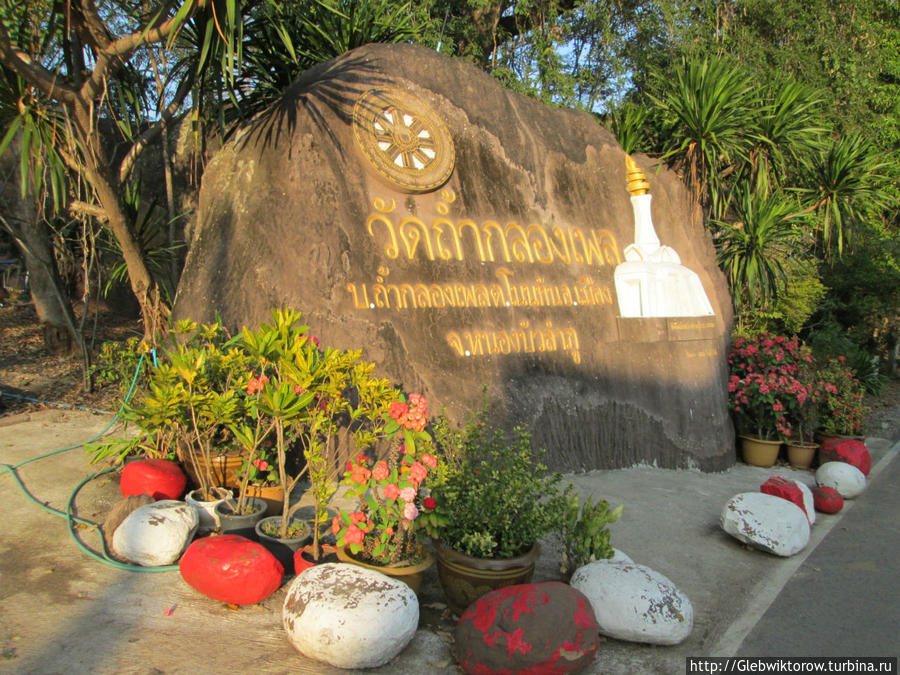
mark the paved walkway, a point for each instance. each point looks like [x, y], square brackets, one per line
[63, 612]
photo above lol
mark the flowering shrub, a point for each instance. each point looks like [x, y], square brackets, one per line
[262, 469]
[771, 387]
[393, 502]
[843, 407]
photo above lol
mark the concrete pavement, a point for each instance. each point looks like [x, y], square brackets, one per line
[61, 611]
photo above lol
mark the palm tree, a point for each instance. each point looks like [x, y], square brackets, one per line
[710, 124]
[845, 181]
[752, 250]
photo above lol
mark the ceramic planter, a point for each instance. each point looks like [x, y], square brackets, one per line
[282, 549]
[411, 575]
[243, 524]
[272, 495]
[758, 451]
[800, 454]
[223, 468]
[206, 509]
[465, 578]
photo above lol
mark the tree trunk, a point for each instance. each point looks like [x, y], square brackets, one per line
[32, 236]
[100, 178]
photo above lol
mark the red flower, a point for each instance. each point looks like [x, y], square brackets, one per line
[391, 491]
[256, 384]
[429, 503]
[354, 535]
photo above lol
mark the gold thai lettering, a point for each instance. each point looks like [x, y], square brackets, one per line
[445, 239]
[524, 339]
[506, 292]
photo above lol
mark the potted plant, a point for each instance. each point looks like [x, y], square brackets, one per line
[392, 499]
[585, 533]
[762, 384]
[493, 501]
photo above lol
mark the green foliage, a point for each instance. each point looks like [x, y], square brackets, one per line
[585, 532]
[117, 364]
[494, 492]
[751, 250]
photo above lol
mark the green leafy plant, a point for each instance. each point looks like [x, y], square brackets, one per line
[493, 496]
[585, 534]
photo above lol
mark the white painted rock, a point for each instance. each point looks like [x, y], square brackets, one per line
[635, 603]
[766, 522]
[845, 478]
[619, 556]
[808, 502]
[349, 616]
[156, 534]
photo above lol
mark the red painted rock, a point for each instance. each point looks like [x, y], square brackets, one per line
[537, 628]
[849, 450]
[159, 478]
[827, 499]
[784, 488]
[231, 568]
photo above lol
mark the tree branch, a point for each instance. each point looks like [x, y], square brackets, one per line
[123, 46]
[80, 208]
[34, 73]
[154, 130]
[98, 34]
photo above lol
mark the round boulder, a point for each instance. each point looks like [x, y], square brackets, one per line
[231, 568]
[766, 522]
[156, 534]
[633, 602]
[792, 490]
[845, 478]
[159, 478]
[349, 616]
[850, 450]
[540, 628]
[827, 499]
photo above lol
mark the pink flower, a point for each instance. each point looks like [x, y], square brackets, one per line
[261, 464]
[398, 410]
[430, 461]
[410, 512]
[417, 472]
[380, 472]
[407, 494]
[391, 491]
[354, 535]
[359, 474]
[336, 524]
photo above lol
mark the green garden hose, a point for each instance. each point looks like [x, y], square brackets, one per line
[71, 519]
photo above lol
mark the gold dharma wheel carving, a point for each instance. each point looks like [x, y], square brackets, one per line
[404, 140]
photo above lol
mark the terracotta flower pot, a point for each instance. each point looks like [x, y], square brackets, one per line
[223, 469]
[272, 495]
[465, 579]
[758, 451]
[303, 557]
[411, 575]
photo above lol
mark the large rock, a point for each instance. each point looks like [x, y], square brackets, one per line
[794, 491]
[349, 616]
[633, 602]
[766, 522]
[156, 534]
[232, 569]
[843, 477]
[159, 478]
[849, 450]
[118, 513]
[462, 234]
[537, 628]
